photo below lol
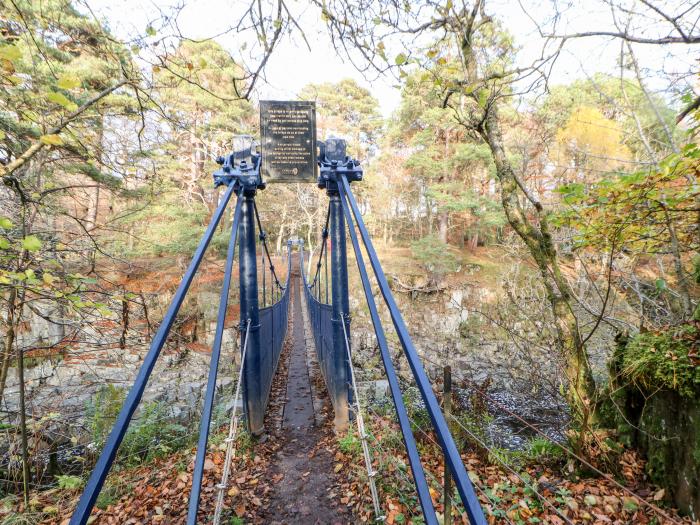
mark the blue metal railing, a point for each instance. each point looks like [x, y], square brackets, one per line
[273, 330]
[453, 460]
[320, 315]
[109, 452]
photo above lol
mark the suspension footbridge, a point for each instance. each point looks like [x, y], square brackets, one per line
[264, 311]
[278, 367]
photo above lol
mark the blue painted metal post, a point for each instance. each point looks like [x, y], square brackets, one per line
[208, 405]
[341, 307]
[109, 452]
[253, 396]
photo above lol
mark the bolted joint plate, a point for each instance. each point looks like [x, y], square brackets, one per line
[244, 172]
[330, 172]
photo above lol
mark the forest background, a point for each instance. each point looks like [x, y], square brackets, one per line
[574, 205]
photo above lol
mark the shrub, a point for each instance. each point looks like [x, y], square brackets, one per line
[540, 448]
[70, 482]
[149, 435]
[435, 256]
[349, 444]
[663, 359]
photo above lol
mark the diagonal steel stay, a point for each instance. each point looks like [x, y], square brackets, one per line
[417, 471]
[324, 250]
[109, 452]
[452, 457]
[263, 238]
[213, 370]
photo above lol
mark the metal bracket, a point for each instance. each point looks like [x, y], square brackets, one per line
[241, 168]
[333, 163]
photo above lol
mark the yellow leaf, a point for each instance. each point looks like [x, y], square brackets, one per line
[68, 82]
[51, 140]
[62, 100]
[10, 53]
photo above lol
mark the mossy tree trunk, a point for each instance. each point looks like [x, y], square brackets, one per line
[482, 116]
[537, 237]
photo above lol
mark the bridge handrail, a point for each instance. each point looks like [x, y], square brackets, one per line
[316, 310]
[278, 325]
[109, 452]
[453, 459]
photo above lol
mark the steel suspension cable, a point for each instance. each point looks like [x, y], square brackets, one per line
[570, 452]
[109, 452]
[232, 433]
[359, 418]
[198, 471]
[426, 433]
[452, 457]
[512, 470]
[324, 236]
[263, 238]
[564, 449]
[421, 483]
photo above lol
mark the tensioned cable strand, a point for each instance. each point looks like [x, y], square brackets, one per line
[565, 449]
[205, 421]
[359, 418]
[512, 471]
[263, 238]
[231, 438]
[324, 235]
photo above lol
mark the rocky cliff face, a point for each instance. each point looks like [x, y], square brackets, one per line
[65, 367]
[655, 406]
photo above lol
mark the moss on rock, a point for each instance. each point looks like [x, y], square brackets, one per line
[664, 359]
[654, 403]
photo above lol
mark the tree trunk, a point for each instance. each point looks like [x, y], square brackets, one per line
[442, 226]
[473, 242]
[278, 244]
[9, 340]
[194, 186]
[581, 388]
[26, 471]
[93, 207]
[684, 292]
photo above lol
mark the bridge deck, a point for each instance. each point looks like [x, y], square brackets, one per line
[303, 470]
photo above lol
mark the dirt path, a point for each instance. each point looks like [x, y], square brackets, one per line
[302, 469]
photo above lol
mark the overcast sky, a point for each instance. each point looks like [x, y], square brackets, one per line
[293, 65]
